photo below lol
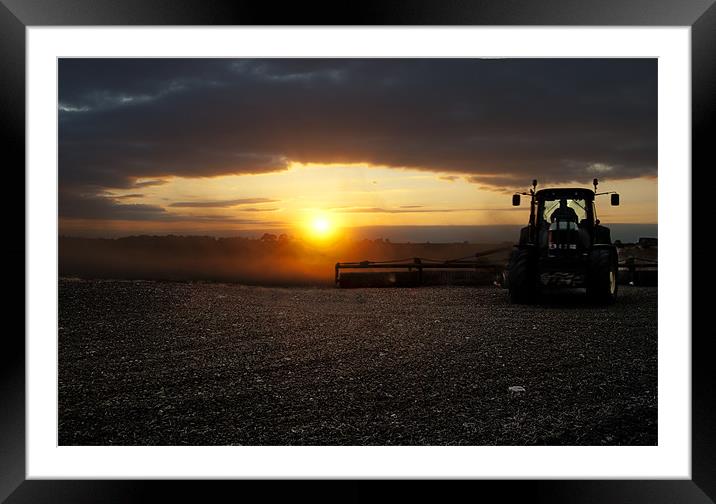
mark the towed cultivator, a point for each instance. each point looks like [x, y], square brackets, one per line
[467, 271]
[416, 271]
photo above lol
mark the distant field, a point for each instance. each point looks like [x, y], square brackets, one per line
[159, 363]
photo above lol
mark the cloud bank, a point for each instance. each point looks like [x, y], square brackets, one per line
[127, 123]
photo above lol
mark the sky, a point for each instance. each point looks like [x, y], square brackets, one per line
[222, 146]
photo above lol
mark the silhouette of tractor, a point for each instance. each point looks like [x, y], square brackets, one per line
[564, 245]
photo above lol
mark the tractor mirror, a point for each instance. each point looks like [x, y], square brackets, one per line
[615, 200]
[515, 200]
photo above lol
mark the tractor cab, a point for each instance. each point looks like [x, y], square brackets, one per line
[564, 219]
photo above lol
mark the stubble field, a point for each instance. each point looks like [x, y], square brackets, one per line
[161, 363]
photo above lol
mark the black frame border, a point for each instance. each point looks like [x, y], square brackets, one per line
[700, 15]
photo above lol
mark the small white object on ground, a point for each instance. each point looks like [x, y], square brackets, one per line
[516, 388]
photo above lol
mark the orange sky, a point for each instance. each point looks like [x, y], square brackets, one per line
[348, 196]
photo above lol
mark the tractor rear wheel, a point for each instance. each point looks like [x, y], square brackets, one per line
[602, 286]
[521, 277]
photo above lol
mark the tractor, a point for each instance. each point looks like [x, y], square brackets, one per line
[564, 245]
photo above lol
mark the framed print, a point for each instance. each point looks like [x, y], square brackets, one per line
[419, 243]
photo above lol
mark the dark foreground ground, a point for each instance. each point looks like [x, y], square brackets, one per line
[151, 363]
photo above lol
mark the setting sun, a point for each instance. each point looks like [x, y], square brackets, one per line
[321, 226]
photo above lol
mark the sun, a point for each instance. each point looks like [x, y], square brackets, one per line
[321, 227]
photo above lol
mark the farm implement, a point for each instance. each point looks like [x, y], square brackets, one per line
[415, 271]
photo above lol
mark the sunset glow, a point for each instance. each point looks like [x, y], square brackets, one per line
[321, 227]
[293, 153]
[314, 200]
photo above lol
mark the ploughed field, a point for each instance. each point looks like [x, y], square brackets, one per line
[159, 363]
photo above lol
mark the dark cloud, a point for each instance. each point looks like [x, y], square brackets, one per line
[221, 203]
[94, 207]
[223, 219]
[89, 206]
[128, 196]
[503, 180]
[499, 122]
[149, 183]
